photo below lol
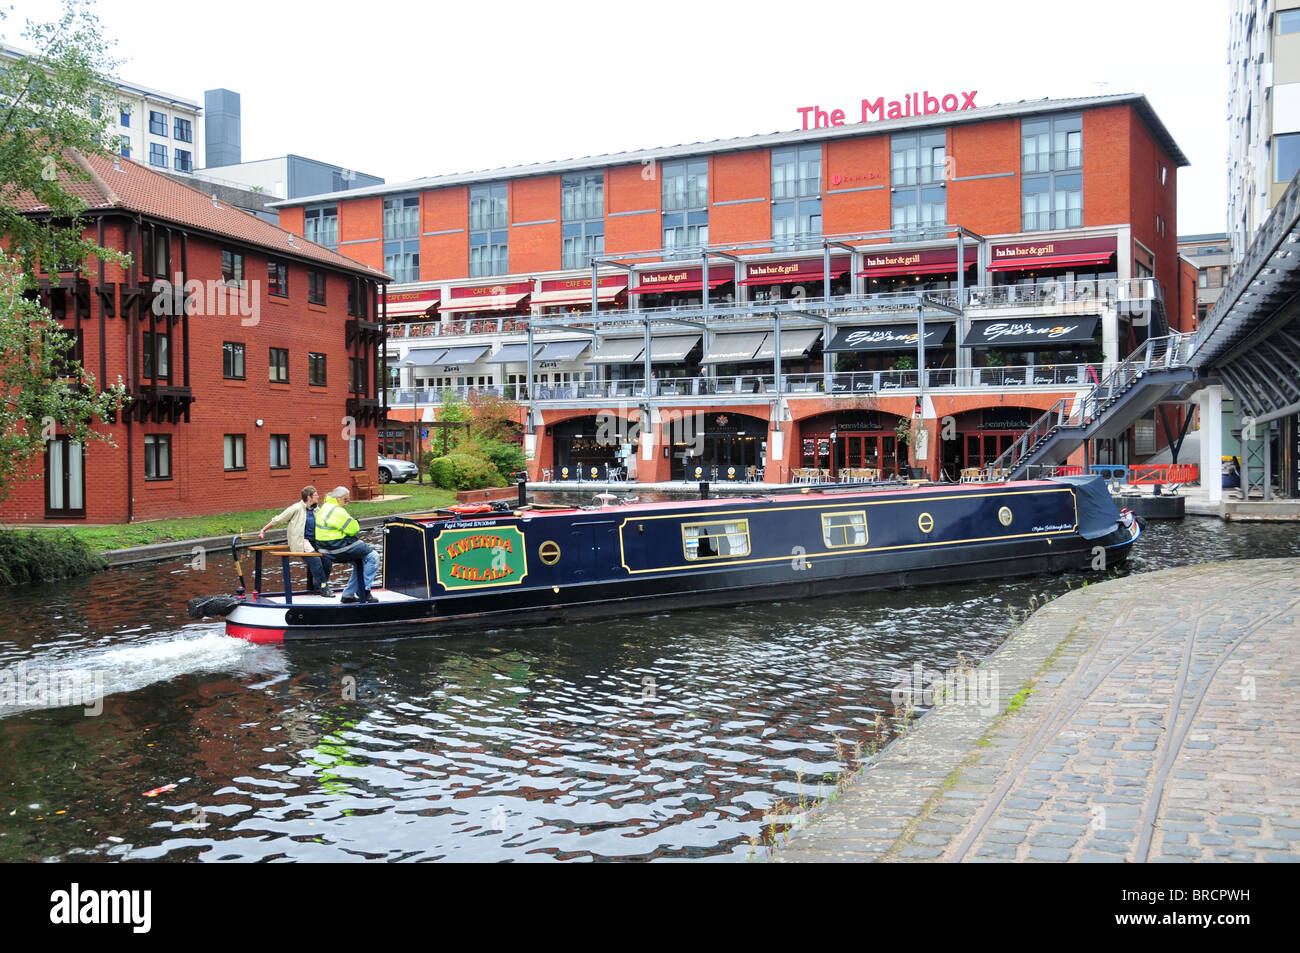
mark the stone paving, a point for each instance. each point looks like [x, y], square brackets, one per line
[1162, 724]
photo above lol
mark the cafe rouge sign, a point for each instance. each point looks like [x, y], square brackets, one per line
[912, 104]
[481, 556]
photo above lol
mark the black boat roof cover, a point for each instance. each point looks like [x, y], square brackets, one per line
[1097, 511]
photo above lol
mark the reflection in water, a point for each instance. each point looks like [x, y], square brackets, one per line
[651, 737]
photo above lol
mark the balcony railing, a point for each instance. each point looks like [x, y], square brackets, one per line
[848, 383]
[1062, 296]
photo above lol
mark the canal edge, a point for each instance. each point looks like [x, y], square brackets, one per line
[890, 810]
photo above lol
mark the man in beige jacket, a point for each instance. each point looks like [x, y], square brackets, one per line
[296, 516]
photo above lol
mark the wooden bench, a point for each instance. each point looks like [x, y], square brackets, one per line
[363, 487]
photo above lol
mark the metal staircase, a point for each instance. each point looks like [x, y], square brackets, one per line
[1151, 374]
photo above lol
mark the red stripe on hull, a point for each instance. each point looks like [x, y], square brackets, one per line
[255, 634]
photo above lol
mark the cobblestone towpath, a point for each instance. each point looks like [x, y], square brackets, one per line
[1152, 718]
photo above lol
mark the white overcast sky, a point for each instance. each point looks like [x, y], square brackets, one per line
[403, 90]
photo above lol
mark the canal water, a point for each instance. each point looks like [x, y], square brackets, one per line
[661, 737]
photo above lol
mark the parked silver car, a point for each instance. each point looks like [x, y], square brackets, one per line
[396, 471]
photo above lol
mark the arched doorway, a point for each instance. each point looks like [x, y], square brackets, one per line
[853, 439]
[984, 435]
[581, 443]
[725, 446]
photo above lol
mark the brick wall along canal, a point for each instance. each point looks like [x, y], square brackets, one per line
[667, 736]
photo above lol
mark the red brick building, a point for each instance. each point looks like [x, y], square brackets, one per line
[248, 354]
[1059, 208]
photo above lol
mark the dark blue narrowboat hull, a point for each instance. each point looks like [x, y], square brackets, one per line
[445, 575]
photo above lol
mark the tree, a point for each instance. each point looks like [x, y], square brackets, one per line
[50, 117]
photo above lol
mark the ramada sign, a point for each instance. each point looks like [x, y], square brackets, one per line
[912, 104]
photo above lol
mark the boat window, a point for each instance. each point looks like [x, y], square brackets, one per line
[716, 540]
[844, 529]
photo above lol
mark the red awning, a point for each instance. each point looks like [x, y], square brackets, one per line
[484, 303]
[1054, 261]
[665, 288]
[790, 279]
[933, 268]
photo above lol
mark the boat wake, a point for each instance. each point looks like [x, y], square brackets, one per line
[84, 676]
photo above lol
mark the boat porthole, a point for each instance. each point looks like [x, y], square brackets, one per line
[549, 552]
[926, 522]
[1004, 516]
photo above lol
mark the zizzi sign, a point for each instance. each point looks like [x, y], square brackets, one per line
[912, 104]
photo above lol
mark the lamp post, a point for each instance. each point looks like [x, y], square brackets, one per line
[419, 447]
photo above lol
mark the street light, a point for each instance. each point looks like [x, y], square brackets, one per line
[419, 445]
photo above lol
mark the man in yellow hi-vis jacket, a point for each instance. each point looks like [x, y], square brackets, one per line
[336, 536]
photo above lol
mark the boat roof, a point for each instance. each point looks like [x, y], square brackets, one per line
[713, 502]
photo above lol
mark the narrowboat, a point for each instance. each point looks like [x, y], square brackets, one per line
[512, 565]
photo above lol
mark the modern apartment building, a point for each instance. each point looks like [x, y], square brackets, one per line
[1263, 112]
[774, 289]
[160, 129]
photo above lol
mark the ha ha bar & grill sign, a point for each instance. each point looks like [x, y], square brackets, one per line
[486, 556]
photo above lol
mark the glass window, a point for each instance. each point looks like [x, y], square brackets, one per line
[582, 211]
[685, 206]
[183, 163]
[124, 119]
[918, 200]
[357, 453]
[279, 364]
[844, 529]
[488, 238]
[153, 356]
[126, 147]
[357, 375]
[277, 278]
[797, 184]
[232, 266]
[316, 287]
[232, 360]
[65, 479]
[158, 155]
[157, 457]
[157, 123]
[1051, 184]
[402, 237]
[685, 185]
[234, 451]
[316, 369]
[582, 197]
[1288, 21]
[319, 457]
[716, 540]
[321, 225]
[181, 130]
[279, 451]
[1286, 157]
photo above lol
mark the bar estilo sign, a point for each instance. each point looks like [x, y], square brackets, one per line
[912, 104]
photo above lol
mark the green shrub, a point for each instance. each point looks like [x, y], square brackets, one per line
[463, 471]
[506, 457]
[42, 557]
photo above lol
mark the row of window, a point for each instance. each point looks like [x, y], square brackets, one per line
[277, 278]
[183, 161]
[1051, 172]
[182, 129]
[232, 367]
[158, 453]
[730, 538]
